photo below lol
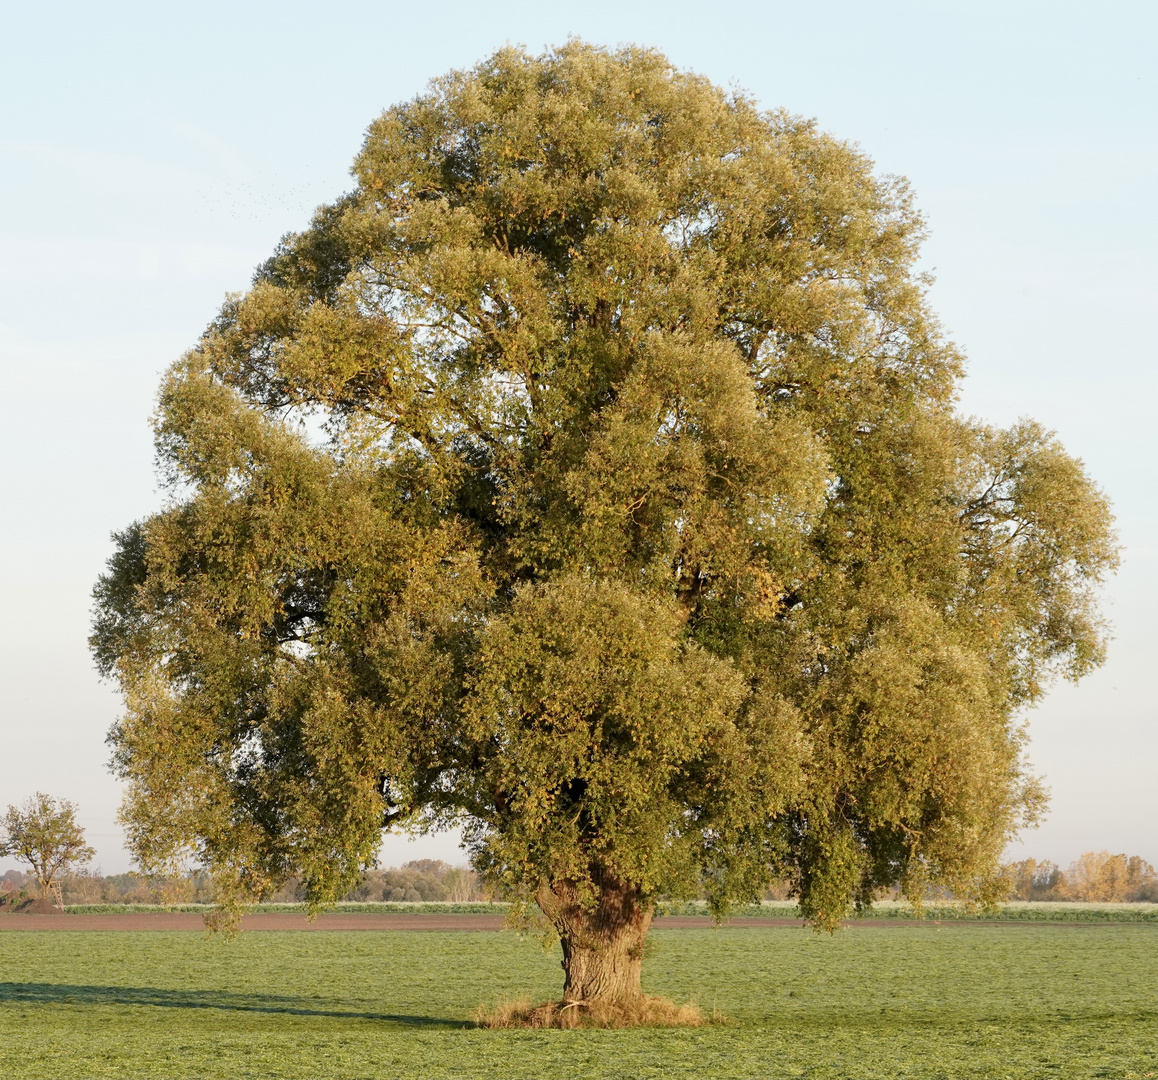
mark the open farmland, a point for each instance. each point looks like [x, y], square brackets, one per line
[960, 1000]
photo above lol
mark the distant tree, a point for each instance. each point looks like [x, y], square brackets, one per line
[45, 834]
[1101, 876]
[646, 543]
[419, 879]
[1033, 880]
[13, 881]
[1141, 880]
[461, 884]
[82, 886]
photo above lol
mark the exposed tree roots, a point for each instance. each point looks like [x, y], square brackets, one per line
[633, 1012]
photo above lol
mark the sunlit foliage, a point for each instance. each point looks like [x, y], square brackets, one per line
[589, 476]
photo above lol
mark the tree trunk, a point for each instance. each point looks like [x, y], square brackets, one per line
[602, 945]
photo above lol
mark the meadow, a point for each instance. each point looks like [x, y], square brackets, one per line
[962, 1000]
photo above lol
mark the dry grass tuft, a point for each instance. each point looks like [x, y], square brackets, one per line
[640, 1012]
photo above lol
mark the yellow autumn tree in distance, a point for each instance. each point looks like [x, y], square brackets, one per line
[588, 477]
[1093, 877]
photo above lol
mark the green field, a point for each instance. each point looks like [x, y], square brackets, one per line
[954, 1001]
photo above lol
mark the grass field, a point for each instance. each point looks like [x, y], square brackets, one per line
[953, 1001]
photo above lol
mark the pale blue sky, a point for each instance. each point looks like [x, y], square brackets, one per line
[151, 155]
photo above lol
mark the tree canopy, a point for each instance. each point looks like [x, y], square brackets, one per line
[45, 834]
[589, 477]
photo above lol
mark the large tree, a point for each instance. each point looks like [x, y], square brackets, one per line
[589, 477]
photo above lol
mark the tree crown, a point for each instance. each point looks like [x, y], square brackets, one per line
[589, 475]
[44, 833]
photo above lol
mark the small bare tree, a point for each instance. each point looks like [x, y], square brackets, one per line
[44, 833]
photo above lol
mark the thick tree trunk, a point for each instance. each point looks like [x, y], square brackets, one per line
[602, 946]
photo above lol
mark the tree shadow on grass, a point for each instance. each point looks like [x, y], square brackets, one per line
[67, 994]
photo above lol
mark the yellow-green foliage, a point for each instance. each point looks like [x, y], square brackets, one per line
[589, 475]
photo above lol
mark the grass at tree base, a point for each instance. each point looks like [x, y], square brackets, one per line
[645, 1011]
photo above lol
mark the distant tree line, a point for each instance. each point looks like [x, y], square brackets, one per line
[429, 880]
[416, 881]
[1096, 876]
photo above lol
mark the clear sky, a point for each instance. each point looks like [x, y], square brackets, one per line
[152, 154]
